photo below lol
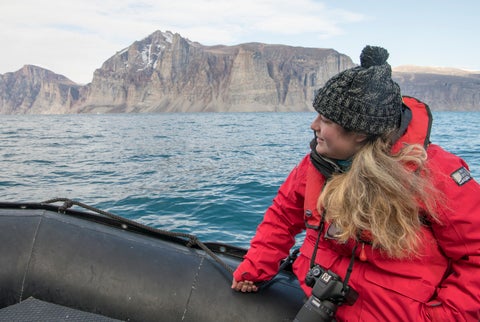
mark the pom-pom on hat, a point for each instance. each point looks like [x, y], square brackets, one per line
[364, 98]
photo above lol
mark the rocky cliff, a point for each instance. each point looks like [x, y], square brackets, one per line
[167, 73]
[443, 89]
[34, 90]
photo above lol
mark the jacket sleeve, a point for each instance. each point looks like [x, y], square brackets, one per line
[458, 235]
[275, 235]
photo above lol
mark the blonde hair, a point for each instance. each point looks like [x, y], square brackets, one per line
[384, 194]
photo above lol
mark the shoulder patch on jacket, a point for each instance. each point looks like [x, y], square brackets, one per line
[461, 176]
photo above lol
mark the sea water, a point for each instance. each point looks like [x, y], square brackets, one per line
[208, 174]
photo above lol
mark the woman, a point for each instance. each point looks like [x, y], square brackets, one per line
[396, 217]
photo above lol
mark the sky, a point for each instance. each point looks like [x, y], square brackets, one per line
[75, 37]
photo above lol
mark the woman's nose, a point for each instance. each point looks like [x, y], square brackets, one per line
[315, 124]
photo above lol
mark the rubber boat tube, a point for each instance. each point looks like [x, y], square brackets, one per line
[94, 264]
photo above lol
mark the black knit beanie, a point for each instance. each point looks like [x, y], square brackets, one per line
[364, 98]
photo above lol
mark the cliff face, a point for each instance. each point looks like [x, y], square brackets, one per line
[33, 90]
[167, 73]
[442, 91]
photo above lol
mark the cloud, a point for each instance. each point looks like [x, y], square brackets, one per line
[74, 38]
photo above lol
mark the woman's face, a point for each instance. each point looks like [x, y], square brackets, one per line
[333, 141]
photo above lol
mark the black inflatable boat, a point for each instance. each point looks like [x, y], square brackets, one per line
[59, 263]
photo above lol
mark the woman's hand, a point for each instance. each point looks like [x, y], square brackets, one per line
[244, 286]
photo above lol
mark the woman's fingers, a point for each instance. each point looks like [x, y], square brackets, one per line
[244, 286]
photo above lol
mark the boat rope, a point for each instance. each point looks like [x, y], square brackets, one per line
[192, 239]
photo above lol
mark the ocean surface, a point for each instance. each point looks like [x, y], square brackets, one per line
[208, 174]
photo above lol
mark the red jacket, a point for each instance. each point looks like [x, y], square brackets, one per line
[442, 285]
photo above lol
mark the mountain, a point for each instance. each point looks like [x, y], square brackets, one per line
[167, 73]
[442, 88]
[34, 90]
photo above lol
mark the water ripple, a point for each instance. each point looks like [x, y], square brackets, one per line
[211, 174]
